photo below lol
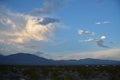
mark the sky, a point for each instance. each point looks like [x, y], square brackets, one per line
[61, 29]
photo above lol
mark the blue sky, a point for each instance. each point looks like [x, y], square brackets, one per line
[61, 29]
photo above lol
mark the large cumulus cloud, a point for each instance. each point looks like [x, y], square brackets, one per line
[20, 28]
[19, 32]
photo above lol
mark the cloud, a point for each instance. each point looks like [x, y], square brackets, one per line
[103, 37]
[109, 54]
[81, 31]
[87, 40]
[104, 22]
[20, 28]
[7, 49]
[47, 20]
[49, 6]
[98, 23]
[19, 32]
[99, 41]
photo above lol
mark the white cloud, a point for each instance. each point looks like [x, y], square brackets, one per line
[98, 22]
[110, 54]
[99, 41]
[20, 32]
[20, 28]
[103, 37]
[81, 31]
[103, 22]
[87, 40]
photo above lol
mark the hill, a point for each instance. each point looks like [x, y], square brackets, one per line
[30, 59]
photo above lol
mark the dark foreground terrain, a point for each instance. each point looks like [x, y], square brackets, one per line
[82, 72]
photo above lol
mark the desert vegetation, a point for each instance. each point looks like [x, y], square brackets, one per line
[69, 72]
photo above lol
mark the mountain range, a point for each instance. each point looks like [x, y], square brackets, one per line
[30, 59]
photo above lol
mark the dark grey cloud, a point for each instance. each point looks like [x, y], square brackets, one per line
[47, 20]
[100, 43]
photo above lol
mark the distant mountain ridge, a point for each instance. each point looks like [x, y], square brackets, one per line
[24, 58]
[30, 59]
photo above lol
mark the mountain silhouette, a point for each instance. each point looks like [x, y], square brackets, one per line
[24, 58]
[30, 59]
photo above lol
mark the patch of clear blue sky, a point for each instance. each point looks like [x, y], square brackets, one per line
[78, 14]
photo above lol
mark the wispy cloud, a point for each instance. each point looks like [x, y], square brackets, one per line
[112, 54]
[103, 22]
[87, 40]
[81, 31]
[49, 6]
